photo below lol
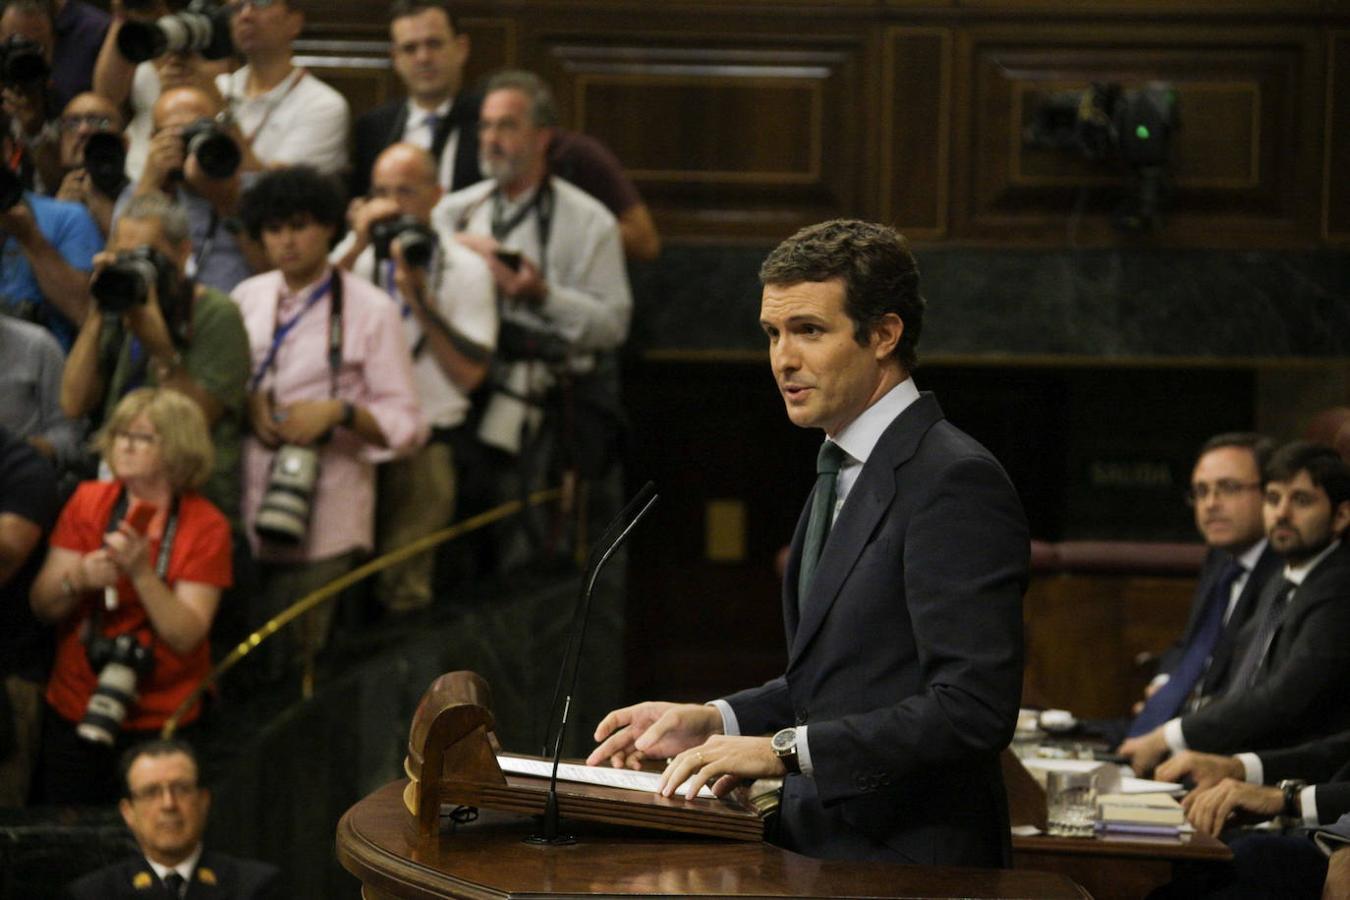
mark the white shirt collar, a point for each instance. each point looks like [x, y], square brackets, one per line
[860, 436]
[184, 868]
[417, 114]
[1297, 574]
[1248, 558]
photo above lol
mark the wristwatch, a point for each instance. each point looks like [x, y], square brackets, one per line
[1292, 787]
[784, 746]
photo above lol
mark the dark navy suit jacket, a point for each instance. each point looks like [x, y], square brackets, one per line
[906, 663]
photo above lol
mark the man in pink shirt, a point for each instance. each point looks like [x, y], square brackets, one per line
[331, 394]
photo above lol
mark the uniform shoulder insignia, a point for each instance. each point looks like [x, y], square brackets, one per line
[206, 875]
[142, 881]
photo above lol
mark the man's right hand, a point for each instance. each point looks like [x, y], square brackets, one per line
[652, 730]
[363, 213]
[1203, 769]
[165, 157]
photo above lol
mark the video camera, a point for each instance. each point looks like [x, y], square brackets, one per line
[1106, 122]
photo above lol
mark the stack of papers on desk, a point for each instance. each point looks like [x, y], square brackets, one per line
[1157, 813]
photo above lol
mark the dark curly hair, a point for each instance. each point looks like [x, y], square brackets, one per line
[878, 270]
[283, 194]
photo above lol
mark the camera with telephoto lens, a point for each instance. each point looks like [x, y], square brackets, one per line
[288, 501]
[22, 63]
[216, 152]
[120, 662]
[204, 27]
[126, 281]
[416, 239]
[105, 160]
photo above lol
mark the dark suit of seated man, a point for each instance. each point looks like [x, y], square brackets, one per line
[903, 615]
[1287, 687]
[166, 809]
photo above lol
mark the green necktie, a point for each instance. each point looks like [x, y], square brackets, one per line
[822, 508]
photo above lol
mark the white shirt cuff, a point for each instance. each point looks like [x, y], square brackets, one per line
[1176, 741]
[730, 726]
[1159, 680]
[804, 752]
[1253, 770]
[1307, 800]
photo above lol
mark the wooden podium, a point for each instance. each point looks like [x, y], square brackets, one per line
[452, 760]
[628, 843]
[380, 843]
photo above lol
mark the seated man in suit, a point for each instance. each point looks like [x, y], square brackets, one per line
[1286, 685]
[165, 807]
[1225, 493]
[902, 597]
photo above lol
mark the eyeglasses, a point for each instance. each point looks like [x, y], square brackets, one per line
[140, 438]
[180, 790]
[91, 121]
[1224, 489]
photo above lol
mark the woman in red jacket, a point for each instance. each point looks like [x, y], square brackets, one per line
[131, 581]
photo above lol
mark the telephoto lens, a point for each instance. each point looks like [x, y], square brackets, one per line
[216, 151]
[283, 516]
[415, 239]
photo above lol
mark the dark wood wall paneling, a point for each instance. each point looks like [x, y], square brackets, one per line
[744, 120]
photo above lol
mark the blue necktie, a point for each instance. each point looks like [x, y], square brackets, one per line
[1167, 700]
[175, 884]
[828, 462]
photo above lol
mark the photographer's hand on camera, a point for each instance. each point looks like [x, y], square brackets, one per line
[523, 283]
[362, 213]
[76, 187]
[163, 162]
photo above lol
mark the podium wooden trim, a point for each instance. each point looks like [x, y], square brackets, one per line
[380, 844]
[453, 762]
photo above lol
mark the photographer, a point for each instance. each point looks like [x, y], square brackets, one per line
[331, 394]
[47, 248]
[27, 36]
[128, 83]
[96, 181]
[449, 311]
[132, 581]
[176, 334]
[195, 161]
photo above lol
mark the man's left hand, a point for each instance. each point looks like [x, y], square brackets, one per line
[1209, 810]
[1145, 752]
[722, 761]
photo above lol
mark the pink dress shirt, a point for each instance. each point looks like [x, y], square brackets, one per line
[376, 373]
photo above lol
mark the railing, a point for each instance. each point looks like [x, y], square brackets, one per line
[315, 598]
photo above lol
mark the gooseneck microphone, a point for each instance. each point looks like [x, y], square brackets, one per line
[614, 535]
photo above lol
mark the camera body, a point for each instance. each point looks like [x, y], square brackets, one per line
[283, 516]
[105, 159]
[22, 63]
[204, 27]
[216, 152]
[121, 662]
[126, 281]
[414, 238]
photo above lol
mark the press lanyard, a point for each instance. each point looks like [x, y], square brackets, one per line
[298, 76]
[385, 274]
[281, 329]
[541, 203]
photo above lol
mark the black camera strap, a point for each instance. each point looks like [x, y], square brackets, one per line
[541, 203]
[331, 285]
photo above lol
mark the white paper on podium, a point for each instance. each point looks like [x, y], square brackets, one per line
[619, 778]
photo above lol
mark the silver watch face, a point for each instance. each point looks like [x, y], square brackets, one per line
[784, 741]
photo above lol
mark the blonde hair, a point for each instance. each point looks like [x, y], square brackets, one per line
[184, 440]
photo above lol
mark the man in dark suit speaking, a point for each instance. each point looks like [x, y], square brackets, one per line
[902, 598]
[166, 809]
